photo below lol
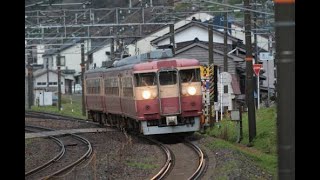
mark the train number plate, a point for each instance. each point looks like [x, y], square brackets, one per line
[171, 120]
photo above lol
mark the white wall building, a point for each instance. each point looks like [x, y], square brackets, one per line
[143, 45]
[72, 53]
[192, 31]
[263, 43]
[99, 55]
[40, 80]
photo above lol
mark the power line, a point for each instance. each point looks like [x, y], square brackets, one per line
[242, 8]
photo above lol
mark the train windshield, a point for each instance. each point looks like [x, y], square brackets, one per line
[190, 75]
[168, 77]
[145, 79]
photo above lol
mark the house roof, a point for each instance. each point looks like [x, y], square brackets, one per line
[95, 46]
[166, 26]
[193, 23]
[240, 24]
[40, 72]
[205, 46]
[67, 44]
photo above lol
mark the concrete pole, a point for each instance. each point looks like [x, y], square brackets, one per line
[59, 81]
[285, 63]
[82, 79]
[249, 74]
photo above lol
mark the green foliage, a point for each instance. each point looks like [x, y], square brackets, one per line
[28, 141]
[265, 161]
[264, 144]
[71, 106]
[266, 137]
[141, 165]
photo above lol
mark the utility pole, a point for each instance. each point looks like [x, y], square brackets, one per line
[268, 76]
[211, 74]
[249, 74]
[256, 50]
[112, 49]
[59, 81]
[225, 57]
[172, 38]
[30, 82]
[82, 79]
[285, 63]
[47, 66]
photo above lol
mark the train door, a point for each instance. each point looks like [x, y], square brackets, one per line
[169, 96]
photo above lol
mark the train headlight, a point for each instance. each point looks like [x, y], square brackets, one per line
[192, 90]
[146, 94]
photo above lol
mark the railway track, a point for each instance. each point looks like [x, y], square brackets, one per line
[165, 170]
[177, 166]
[40, 171]
[46, 115]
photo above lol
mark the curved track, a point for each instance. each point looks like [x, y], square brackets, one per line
[85, 156]
[202, 161]
[188, 160]
[46, 115]
[51, 161]
[166, 168]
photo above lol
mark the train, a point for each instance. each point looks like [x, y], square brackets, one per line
[152, 93]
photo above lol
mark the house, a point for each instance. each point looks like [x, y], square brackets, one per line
[99, 53]
[192, 30]
[264, 43]
[71, 51]
[41, 83]
[144, 45]
[200, 50]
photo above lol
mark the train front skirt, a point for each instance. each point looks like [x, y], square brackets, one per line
[150, 130]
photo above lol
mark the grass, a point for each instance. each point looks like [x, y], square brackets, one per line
[28, 141]
[263, 160]
[141, 165]
[73, 109]
[264, 150]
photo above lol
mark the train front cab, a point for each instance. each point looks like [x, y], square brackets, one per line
[175, 106]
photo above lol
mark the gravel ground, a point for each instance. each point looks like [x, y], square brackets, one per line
[119, 156]
[229, 164]
[36, 152]
[125, 157]
[58, 124]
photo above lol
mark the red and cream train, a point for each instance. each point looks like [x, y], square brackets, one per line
[151, 93]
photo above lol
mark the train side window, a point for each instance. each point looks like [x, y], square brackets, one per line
[127, 89]
[111, 86]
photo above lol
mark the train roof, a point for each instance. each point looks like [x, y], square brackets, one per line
[146, 61]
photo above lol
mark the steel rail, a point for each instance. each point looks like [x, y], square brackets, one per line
[168, 164]
[79, 160]
[51, 161]
[202, 161]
